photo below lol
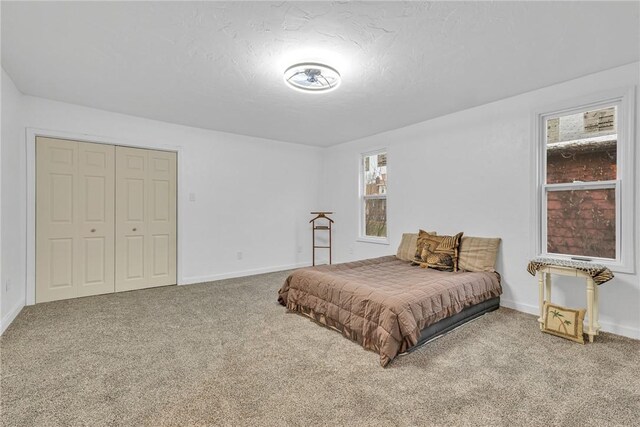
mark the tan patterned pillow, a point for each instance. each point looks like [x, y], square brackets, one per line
[439, 252]
[478, 253]
[407, 249]
[563, 322]
[423, 237]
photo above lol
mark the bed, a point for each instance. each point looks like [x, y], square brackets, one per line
[388, 305]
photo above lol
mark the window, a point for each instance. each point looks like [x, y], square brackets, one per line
[584, 183]
[373, 195]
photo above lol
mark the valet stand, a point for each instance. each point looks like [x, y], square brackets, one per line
[314, 227]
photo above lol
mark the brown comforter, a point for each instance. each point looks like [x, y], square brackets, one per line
[383, 303]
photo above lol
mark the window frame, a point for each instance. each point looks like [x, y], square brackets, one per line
[624, 185]
[362, 198]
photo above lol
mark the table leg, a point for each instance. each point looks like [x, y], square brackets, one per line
[547, 286]
[590, 304]
[541, 298]
[596, 308]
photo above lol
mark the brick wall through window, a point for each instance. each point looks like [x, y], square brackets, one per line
[582, 221]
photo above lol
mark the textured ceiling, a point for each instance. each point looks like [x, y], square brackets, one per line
[219, 65]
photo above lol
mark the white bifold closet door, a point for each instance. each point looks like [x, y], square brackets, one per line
[145, 218]
[105, 219]
[75, 234]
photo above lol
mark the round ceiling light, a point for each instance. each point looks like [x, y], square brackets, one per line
[312, 77]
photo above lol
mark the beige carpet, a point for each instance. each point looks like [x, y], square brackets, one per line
[225, 353]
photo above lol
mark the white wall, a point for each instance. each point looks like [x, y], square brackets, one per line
[471, 171]
[12, 276]
[252, 195]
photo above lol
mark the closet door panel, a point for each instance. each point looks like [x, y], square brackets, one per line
[131, 201]
[135, 257]
[56, 218]
[96, 201]
[60, 264]
[160, 265]
[162, 218]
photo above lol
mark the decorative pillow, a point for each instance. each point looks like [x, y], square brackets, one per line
[407, 249]
[423, 238]
[563, 322]
[438, 261]
[439, 252]
[478, 253]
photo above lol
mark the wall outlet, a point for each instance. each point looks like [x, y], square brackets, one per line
[7, 285]
[351, 250]
[239, 255]
[192, 197]
[299, 249]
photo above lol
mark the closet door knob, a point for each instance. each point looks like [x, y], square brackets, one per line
[134, 229]
[93, 230]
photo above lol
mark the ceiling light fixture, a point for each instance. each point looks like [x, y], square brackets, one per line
[312, 77]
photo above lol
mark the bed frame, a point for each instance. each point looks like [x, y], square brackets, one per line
[450, 323]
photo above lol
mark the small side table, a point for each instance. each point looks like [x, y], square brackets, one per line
[595, 275]
[544, 294]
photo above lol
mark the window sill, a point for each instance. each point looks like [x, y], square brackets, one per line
[376, 240]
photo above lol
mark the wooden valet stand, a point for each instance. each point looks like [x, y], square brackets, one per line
[314, 227]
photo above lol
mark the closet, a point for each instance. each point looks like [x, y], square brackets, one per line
[105, 219]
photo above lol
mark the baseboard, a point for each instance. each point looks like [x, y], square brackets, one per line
[614, 328]
[10, 316]
[625, 331]
[525, 308]
[242, 273]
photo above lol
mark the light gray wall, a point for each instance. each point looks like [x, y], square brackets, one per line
[471, 171]
[252, 195]
[12, 276]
